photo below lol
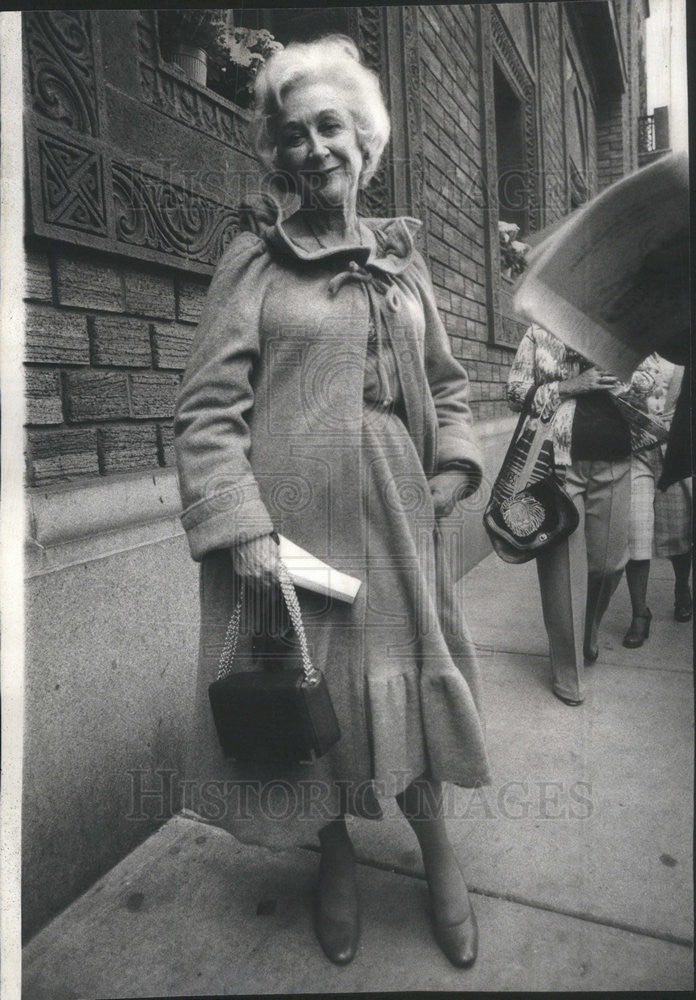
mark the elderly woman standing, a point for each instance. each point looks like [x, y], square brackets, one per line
[322, 400]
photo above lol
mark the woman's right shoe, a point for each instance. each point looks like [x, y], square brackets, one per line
[459, 942]
[338, 936]
[638, 631]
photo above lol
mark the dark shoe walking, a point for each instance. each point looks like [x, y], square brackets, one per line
[590, 654]
[683, 609]
[639, 630]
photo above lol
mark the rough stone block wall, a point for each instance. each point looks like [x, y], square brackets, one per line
[106, 343]
[452, 148]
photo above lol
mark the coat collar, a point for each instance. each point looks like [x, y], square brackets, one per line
[387, 244]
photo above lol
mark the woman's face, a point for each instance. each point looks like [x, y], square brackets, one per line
[318, 146]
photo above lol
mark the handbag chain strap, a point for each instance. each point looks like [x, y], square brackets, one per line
[229, 648]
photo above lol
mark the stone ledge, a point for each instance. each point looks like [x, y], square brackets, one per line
[92, 507]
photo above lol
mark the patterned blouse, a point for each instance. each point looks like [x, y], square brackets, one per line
[543, 360]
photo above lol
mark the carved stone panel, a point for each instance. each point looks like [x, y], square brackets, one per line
[86, 190]
[72, 184]
[388, 40]
[155, 214]
[368, 27]
[60, 61]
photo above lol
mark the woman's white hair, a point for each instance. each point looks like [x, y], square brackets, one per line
[333, 59]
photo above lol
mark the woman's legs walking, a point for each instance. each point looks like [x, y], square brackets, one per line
[682, 592]
[645, 468]
[453, 919]
[337, 914]
[637, 576]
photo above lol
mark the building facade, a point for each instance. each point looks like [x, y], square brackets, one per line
[513, 113]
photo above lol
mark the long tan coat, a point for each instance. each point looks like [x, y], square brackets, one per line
[272, 432]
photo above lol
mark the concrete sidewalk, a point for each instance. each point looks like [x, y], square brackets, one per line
[578, 855]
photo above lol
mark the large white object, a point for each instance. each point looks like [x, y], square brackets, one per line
[311, 573]
[613, 281]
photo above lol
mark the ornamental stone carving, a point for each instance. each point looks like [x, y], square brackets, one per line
[60, 63]
[85, 189]
[154, 213]
[368, 27]
[72, 179]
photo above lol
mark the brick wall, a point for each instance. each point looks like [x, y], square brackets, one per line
[452, 148]
[592, 153]
[617, 125]
[633, 33]
[611, 158]
[106, 343]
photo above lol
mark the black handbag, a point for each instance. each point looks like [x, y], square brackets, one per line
[529, 511]
[281, 716]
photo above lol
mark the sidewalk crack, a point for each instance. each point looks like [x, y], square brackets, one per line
[511, 897]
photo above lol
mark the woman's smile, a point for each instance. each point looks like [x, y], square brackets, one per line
[322, 175]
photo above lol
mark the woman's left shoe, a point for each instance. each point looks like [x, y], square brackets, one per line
[337, 935]
[638, 631]
[459, 942]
